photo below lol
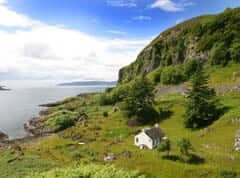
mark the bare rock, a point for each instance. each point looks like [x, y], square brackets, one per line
[3, 136]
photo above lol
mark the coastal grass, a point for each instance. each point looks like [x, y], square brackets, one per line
[213, 146]
[88, 143]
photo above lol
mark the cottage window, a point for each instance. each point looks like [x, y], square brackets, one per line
[137, 140]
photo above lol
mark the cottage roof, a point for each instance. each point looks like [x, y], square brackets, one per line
[155, 133]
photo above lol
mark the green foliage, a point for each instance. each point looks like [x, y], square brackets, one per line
[88, 171]
[61, 120]
[105, 114]
[228, 174]
[219, 54]
[172, 75]
[106, 99]
[115, 95]
[201, 105]
[185, 146]
[140, 99]
[164, 146]
[191, 67]
[176, 74]
[212, 37]
[235, 51]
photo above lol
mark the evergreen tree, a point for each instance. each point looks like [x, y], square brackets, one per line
[140, 99]
[201, 106]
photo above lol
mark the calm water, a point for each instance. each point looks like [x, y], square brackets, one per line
[20, 105]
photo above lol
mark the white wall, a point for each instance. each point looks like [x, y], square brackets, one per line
[143, 139]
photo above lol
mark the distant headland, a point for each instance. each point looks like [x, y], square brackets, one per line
[3, 88]
[89, 83]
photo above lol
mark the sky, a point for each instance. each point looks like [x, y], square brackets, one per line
[51, 41]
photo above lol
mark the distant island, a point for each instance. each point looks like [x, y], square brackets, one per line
[89, 83]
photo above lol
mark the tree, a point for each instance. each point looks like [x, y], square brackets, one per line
[140, 99]
[235, 51]
[185, 146]
[201, 105]
[164, 146]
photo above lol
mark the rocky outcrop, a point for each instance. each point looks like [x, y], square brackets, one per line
[3, 136]
[192, 39]
[237, 141]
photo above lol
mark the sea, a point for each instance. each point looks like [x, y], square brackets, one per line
[19, 105]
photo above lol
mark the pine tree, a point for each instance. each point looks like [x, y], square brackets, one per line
[201, 106]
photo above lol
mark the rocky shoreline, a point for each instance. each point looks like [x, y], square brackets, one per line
[34, 129]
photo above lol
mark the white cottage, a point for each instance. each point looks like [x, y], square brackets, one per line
[149, 138]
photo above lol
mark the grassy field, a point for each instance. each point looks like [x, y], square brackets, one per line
[213, 146]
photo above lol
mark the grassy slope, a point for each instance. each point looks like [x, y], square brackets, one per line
[105, 135]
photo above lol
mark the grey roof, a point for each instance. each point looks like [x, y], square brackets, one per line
[155, 133]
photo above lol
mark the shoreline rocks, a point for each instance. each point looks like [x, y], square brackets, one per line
[3, 136]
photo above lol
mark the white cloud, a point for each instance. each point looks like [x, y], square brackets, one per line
[46, 52]
[171, 6]
[13, 19]
[142, 18]
[122, 3]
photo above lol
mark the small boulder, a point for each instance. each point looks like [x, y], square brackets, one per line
[237, 141]
[3, 136]
[109, 157]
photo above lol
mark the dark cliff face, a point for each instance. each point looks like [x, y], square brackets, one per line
[192, 39]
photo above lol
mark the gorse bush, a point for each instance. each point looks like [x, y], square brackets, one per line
[89, 171]
[61, 120]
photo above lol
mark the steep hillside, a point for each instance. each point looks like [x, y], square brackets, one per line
[213, 38]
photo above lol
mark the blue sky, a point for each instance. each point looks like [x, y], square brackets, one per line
[68, 40]
[131, 18]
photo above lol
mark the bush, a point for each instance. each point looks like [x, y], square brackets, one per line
[219, 54]
[105, 114]
[191, 67]
[164, 146]
[228, 174]
[184, 146]
[157, 75]
[173, 75]
[106, 99]
[235, 51]
[61, 120]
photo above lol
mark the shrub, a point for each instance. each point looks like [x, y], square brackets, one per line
[157, 75]
[235, 51]
[219, 54]
[105, 114]
[172, 75]
[164, 146]
[106, 99]
[184, 146]
[228, 174]
[61, 120]
[191, 67]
